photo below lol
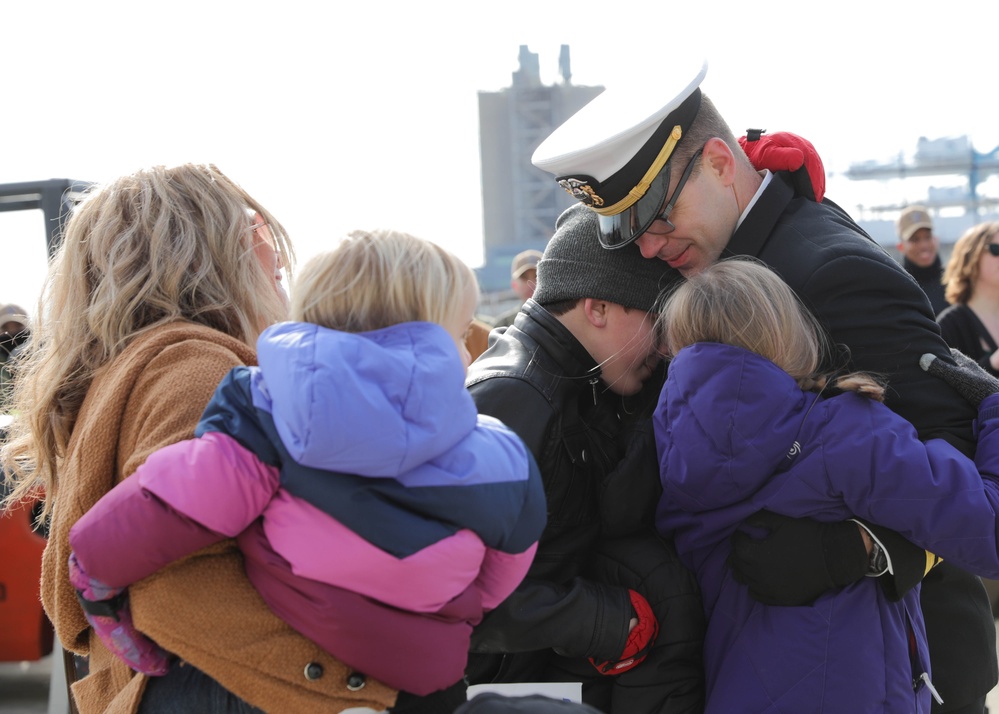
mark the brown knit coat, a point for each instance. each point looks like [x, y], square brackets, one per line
[203, 608]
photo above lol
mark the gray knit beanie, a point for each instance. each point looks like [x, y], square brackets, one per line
[575, 266]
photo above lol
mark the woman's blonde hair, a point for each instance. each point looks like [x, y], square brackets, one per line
[962, 268]
[743, 303]
[380, 278]
[156, 245]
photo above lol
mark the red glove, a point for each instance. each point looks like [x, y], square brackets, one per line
[784, 151]
[640, 639]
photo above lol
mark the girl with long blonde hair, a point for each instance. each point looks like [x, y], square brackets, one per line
[745, 304]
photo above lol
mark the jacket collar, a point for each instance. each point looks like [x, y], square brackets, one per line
[929, 273]
[557, 341]
[752, 234]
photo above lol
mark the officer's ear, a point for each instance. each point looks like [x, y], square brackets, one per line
[718, 159]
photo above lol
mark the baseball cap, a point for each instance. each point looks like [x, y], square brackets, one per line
[524, 261]
[911, 220]
[13, 313]
[613, 155]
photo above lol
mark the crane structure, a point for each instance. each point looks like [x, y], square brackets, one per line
[937, 157]
[53, 197]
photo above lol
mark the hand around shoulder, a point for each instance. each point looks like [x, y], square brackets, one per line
[795, 560]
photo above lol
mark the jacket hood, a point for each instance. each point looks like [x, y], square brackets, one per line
[374, 403]
[727, 419]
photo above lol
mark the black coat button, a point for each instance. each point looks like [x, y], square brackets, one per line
[355, 681]
[313, 671]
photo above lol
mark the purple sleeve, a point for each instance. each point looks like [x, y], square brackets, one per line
[930, 493]
[130, 533]
[501, 573]
[184, 497]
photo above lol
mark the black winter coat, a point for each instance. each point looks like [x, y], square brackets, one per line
[601, 483]
[930, 279]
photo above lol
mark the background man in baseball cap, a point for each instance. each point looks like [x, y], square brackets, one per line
[523, 277]
[14, 332]
[659, 165]
[919, 247]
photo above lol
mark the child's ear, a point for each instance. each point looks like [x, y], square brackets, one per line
[595, 311]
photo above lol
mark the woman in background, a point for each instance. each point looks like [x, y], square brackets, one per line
[971, 280]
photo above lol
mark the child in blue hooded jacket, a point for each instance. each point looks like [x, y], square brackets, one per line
[379, 514]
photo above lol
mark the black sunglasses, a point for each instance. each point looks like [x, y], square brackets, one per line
[663, 215]
[622, 229]
[994, 249]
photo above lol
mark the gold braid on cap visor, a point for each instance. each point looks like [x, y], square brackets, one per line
[635, 194]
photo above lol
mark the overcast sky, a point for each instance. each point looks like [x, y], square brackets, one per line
[342, 115]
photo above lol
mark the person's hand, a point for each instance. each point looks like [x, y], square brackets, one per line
[108, 611]
[966, 376]
[640, 639]
[798, 560]
[784, 151]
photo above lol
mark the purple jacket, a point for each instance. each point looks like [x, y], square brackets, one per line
[736, 434]
[379, 514]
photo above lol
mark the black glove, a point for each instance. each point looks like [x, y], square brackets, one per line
[966, 376]
[908, 562]
[798, 560]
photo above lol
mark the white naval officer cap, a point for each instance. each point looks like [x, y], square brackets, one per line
[613, 155]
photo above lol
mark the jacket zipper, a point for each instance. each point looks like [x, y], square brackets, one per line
[916, 665]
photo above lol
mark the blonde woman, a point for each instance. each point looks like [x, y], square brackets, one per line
[751, 419]
[971, 280]
[378, 513]
[162, 283]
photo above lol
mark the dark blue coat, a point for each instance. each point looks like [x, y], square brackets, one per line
[735, 435]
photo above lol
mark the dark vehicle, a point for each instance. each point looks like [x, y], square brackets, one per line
[25, 631]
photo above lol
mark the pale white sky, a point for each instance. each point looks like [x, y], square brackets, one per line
[342, 115]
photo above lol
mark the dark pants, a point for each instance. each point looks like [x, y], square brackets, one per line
[973, 708]
[186, 689]
[444, 701]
